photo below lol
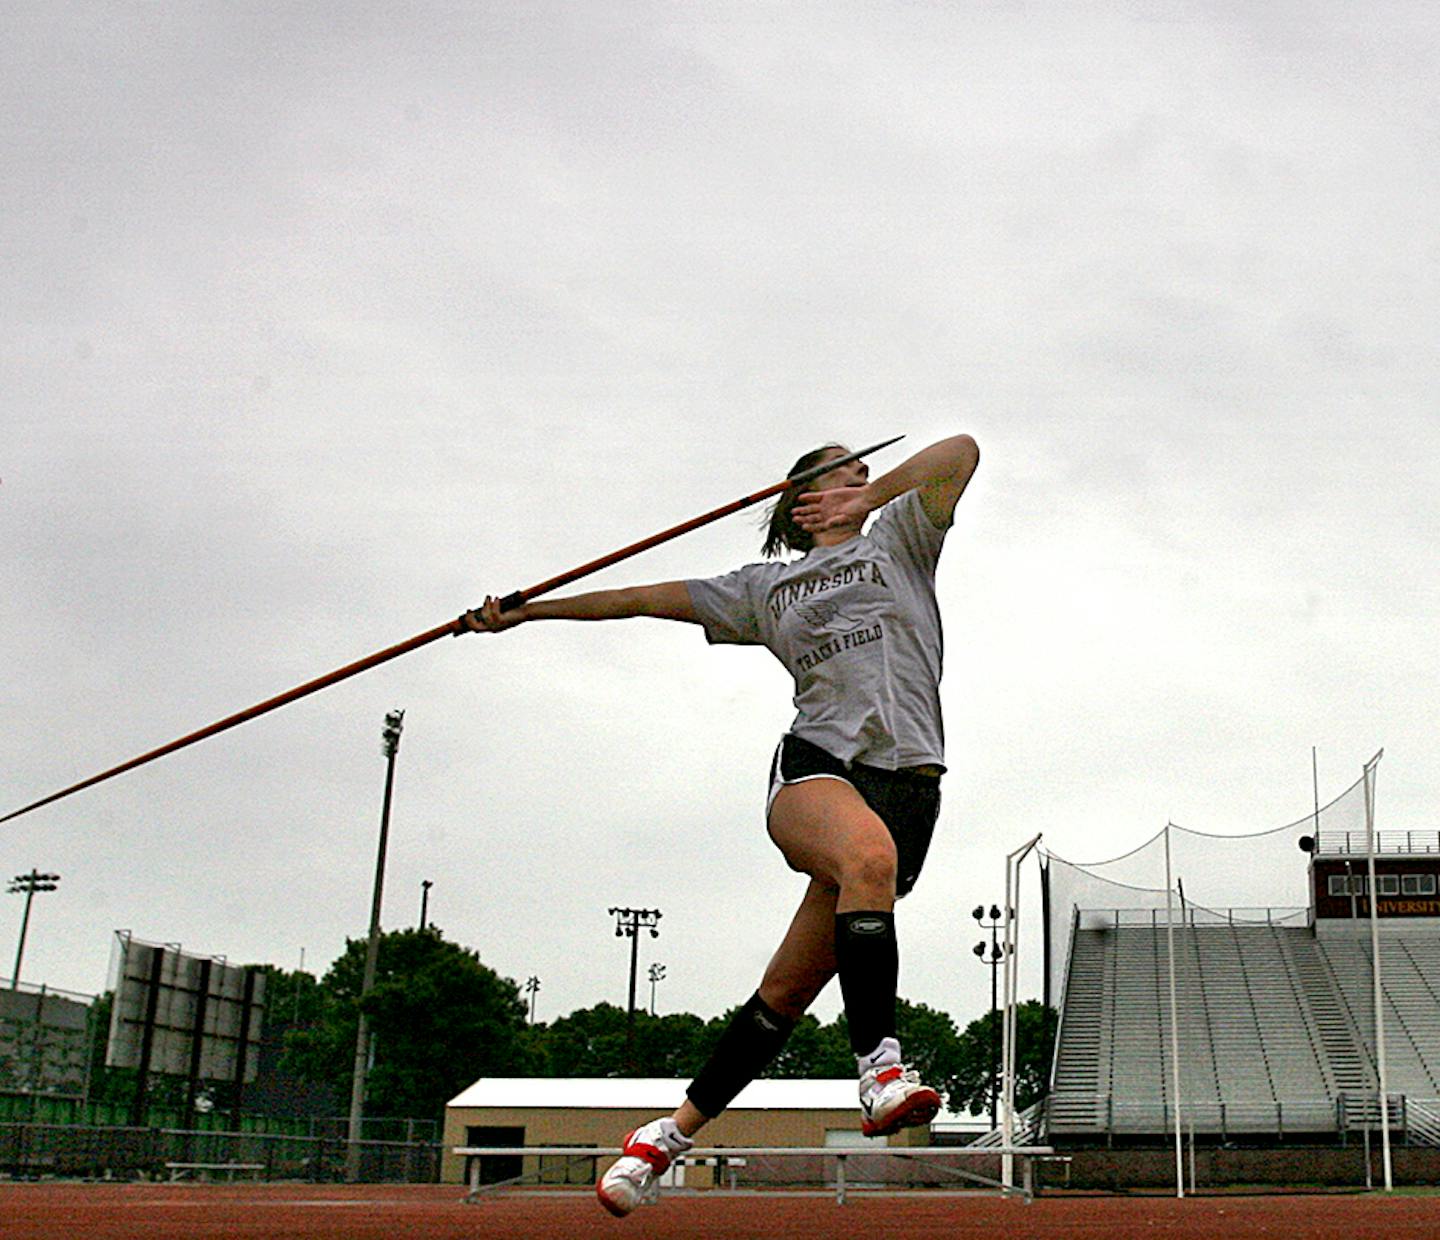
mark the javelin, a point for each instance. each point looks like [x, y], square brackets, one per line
[454, 628]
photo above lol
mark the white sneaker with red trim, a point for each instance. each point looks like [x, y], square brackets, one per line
[892, 1096]
[646, 1156]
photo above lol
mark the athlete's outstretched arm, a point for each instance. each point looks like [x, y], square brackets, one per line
[942, 471]
[666, 600]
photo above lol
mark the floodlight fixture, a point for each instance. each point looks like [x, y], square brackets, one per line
[390, 734]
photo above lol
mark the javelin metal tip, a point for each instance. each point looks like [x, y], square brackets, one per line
[815, 471]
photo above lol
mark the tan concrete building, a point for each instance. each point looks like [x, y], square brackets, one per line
[543, 1111]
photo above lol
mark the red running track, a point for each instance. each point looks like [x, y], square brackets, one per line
[368, 1212]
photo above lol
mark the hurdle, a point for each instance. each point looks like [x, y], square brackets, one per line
[1026, 1155]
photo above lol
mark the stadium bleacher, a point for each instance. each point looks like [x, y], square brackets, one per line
[1274, 1028]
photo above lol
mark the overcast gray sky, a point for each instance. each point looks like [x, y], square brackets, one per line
[322, 320]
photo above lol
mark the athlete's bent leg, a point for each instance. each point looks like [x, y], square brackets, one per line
[825, 828]
[799, 970]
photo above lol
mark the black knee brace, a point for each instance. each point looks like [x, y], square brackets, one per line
[752, 1039]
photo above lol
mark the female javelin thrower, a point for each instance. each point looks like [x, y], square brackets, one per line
[855, 783]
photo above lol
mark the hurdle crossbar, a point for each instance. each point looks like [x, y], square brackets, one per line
[1028, 1155]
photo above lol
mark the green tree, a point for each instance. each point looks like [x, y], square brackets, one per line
[669, 1045]
[979, 1066]
[439, 1019]
[595, 1041]
[588, 1042]
[292, 1001]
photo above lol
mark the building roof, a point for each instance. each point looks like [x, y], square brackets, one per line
[651, 1093]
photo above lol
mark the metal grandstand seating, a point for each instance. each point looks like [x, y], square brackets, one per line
[1274, 1029]
[1081, 1082]
[1408, 969]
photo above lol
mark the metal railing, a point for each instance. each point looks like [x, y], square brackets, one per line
[1343, 843]
[1190, 915]
[1416, 1120]
[1206, 1118]
[1422, 1121]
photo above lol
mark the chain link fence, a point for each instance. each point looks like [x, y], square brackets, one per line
[33, 1151]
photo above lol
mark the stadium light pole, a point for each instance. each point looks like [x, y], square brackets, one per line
[390, 746]
[628, 924]
[657, 974]
[425, 885]
[28, 883]
[996, 956]
[532, 987]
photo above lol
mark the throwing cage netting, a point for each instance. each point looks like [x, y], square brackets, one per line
[1259, 877]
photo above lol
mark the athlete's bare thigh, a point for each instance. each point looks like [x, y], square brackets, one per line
[824, 828]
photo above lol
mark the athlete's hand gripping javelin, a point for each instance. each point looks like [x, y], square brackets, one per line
[488, 618]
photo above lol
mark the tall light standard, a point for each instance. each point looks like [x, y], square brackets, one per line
[628, 924]
[390, 746]
[532, 988]
[657, 974]
[28, 883]
[997, 954]
[425, 885]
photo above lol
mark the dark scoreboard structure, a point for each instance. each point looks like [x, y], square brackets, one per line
[1407, 876]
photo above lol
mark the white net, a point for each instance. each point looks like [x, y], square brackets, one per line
[1257, 877]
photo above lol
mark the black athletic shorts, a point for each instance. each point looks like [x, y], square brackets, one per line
[907, 802]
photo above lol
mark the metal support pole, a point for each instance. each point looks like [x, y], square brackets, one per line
[1174, 1018]
[993, 963]
[1375, 971]
[197, 1041]
[634, 968]
[1010, 964]
[242, 1044]
[147, 1033]
[390, 740]
[628, 923]
[24, 930]
[28, 883]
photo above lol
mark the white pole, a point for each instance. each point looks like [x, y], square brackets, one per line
[1174, 1019]
[1008, 1052]
[1007, 1122]
[1375, 968]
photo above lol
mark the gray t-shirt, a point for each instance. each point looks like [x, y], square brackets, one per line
[858, 627]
